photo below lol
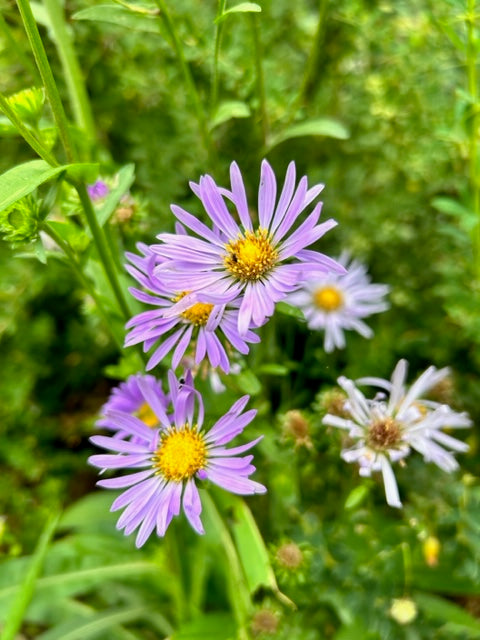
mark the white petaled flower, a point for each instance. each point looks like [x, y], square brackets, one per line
[386, 429]
[336, 303]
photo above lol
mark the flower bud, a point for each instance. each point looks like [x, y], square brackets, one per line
[20, 221]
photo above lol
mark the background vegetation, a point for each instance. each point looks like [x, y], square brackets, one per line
[378, 100]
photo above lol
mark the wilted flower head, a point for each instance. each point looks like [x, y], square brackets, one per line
[20, 222]
[385, 430]
[297, 427]
[264, 623]
[201, 329]
[335, 302]
[169, 460]
[258, 264]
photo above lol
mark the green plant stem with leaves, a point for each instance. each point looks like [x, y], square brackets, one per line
[187, 74]
[216, 52]
[73, 75]
[260, 80]
[471, 63]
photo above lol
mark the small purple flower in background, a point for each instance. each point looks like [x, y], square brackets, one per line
[257, 265]
[166, 462]
[129, 397]
[385, 430]
[98, 190]
[203, 326]
[336, 303]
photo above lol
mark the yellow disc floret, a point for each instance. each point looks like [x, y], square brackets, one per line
[182, 452]
[251, 256]
[328, 298]
[385, 433]
[146, 415]
[198, 314]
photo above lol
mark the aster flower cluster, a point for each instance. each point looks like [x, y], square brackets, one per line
[386, 428]
[209, 286]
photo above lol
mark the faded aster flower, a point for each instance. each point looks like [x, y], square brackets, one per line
[386, 429]
[168, 461]
[202, 328]
[336, 303]
[258, 264]
[129, 397]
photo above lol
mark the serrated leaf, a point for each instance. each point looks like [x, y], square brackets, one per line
[25, 178]
[320, 127]
[115, 14]
[228, 110]
[243, 7]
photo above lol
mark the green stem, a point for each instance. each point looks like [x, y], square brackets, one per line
[311, 68]
[71, 68]
[103, 250]
[177, 583]
[26, 133]
[260, 78]
[47, 77]
[237, 587]
[216, 51]
[407, 566]
[473, 159]
[13, 45]
[189, 81]
[68, 251]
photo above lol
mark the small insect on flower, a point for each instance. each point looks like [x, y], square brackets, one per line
[258, 265]
[336, 303]
[168, 461]
[385, 430]
[203, 329]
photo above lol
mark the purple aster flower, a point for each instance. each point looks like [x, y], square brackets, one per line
[98, 190]
[385, 430]
[203, 327]
[336, 302]
[166, 463]
[129, 397]
[257, 264]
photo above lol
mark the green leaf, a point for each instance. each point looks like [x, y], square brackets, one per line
[289, 310]
[25, 591]
[319, 127]
[249, 383]
[446, 611]
[115, 14]
[243, 7]
[25, 178]
[356, 497]
[272, 369]
[452, 207]
[71, 233]
[251, 549]
[79, 629]
[217, 626]
[125, 178]
[228, 110]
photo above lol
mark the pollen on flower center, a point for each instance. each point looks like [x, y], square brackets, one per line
[251, 256]
[328, 298]
[181, 453]
[146, 415]
[384, 434]
[198, 314]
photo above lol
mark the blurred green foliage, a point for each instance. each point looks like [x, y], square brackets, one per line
[392, 75]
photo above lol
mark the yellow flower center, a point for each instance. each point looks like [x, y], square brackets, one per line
[181, 453]
[384, 434]
[251, 256]
[146, 415]
[328, 298]
[198, 313]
